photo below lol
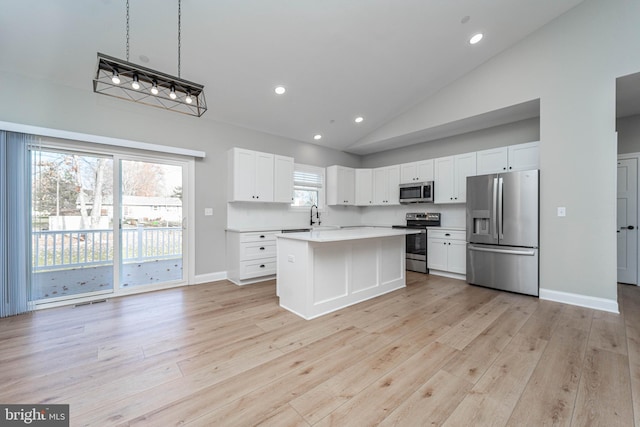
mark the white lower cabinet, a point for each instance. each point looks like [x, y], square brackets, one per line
[447, 252]
[251, 257]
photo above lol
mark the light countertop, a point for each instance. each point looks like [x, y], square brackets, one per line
[347, 234]
[258, 229]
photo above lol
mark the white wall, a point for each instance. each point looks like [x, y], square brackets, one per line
[571, 66]
[41, 103]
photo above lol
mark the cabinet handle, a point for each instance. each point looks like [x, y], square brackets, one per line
[261, 265]
[504, 169]
[262, 248]
[262, 236]
[510, 167]
[447, 234]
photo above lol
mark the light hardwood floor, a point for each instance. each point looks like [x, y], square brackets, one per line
[439, 352]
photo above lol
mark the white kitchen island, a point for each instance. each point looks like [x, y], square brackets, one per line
[322, 271]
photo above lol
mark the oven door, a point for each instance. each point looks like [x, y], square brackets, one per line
[417, 251]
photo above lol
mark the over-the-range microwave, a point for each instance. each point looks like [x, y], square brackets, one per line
[418, 192]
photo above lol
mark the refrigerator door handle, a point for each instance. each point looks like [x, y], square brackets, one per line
[503, 251]
[494, 223]
[500, 202]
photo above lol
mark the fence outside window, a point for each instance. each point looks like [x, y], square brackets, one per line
[62, 249]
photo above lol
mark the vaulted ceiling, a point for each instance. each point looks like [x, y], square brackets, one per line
[337, 59]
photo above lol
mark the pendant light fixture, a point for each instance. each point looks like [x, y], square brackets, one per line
[125, 80]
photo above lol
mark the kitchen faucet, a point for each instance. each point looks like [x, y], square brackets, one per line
[317, 215]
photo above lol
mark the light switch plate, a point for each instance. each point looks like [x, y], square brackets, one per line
[208, 211]
[562, 211]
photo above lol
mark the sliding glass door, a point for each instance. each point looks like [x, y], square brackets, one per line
[72, 243]
[105, 223]
[151, 233]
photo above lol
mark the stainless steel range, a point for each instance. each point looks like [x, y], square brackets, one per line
[417, 243]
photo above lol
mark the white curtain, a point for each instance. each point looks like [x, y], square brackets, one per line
[15, 220]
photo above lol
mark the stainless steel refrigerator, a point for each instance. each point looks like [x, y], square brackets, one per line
[502, 231]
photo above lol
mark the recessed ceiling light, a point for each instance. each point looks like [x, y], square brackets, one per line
[317, 137]
[476, 38]
[280, 90]
[359, 119]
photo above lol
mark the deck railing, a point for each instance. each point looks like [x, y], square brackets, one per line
[61, 249]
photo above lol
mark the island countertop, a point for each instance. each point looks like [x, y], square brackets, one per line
[339, 235]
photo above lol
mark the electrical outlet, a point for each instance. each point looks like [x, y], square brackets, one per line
[291, 258]
[562, 211]
[208, 211]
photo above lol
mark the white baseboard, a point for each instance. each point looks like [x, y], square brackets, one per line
[596, 303]
[448, 274]
[252, 281]
[210, 277]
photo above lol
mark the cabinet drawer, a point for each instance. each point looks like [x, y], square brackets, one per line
[264, 236]
[257, 268]
[447, 234]
[257, 250]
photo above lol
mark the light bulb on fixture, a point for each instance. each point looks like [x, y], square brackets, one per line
[172, 94]
[115, 78]
[154, 88]
[135, 83]
[188, 99]
[476, 38]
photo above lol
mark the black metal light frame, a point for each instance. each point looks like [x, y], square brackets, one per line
[127, 72]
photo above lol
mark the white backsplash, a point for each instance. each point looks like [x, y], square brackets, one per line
[256, 215]
[451, 215]
[252, 215]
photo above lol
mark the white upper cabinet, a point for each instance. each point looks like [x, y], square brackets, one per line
[250, 176]
[494, 160]
[341, 185]
[416, 172]
[364, 187]
[255, 176]
[386, 182]
[524, 157]
[283, 179]
[450, 183]
[507, 159]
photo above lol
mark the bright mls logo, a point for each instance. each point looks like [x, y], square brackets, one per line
[34, 415]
